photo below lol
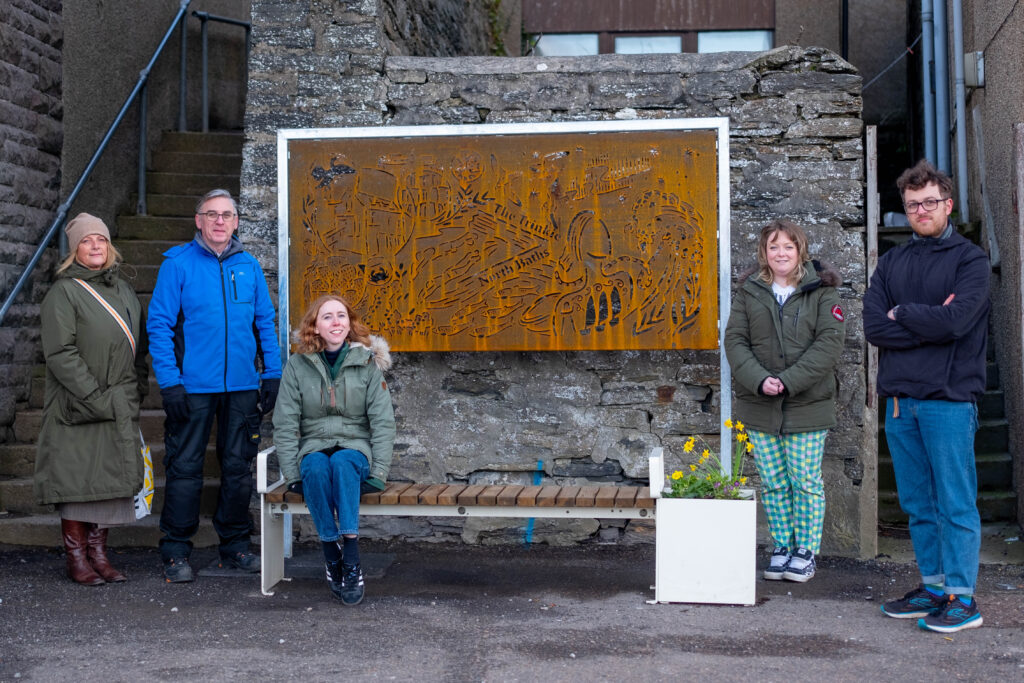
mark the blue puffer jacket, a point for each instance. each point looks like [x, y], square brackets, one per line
[931, 351]
[209, 319]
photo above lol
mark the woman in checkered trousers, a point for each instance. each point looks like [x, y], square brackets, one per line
[783, 340]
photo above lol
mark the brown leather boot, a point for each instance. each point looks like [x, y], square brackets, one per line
[76, 535]
[97, 554]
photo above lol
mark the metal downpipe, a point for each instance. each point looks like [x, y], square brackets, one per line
[927, 79]
[961, 111]
[942, 127]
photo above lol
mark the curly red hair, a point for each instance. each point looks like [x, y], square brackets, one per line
[308, 341]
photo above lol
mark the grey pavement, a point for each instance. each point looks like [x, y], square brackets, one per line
[444, 612]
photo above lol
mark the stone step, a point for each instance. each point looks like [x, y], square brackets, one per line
[17, 460]
[44, 530]
[133, 228]
[147, 252]
[170, 205]
[995, 472]
[144, 279]
[196, 184]
[187, 162]
[992, 404]
[993, 436]
[17, 496]
[219, 142]
[28, 422]
[993, 506]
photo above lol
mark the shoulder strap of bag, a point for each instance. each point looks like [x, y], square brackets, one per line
[110, 309]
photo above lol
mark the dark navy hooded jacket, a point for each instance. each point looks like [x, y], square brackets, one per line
[931, 351]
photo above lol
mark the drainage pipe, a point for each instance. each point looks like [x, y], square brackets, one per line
[961, 113]
[927, 81]
[942, 127]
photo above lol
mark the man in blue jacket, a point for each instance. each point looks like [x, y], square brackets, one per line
[210, 321]
[927, 311]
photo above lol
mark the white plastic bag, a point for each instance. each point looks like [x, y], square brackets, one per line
[144, 498]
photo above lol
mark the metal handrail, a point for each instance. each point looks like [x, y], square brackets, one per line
[62, 210]
[205, 17]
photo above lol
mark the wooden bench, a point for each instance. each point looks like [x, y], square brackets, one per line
[446, 500]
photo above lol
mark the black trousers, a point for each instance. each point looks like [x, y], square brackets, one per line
[238, 428]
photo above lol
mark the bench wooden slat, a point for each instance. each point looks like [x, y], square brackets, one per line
[430, 494]
[527, 498]
[411, 496]
[489, 496]
[276, 495]
[605, 496]
[567, 496]
[469, 494]
[643, 499]
[508, 495]
[450, 495]
[370, 498]
[586, 497]
[547, 495]
[390, 494]
[625, 496]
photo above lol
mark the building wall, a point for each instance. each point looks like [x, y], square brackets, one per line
[31, 132]
[995, 27]
[490, 417]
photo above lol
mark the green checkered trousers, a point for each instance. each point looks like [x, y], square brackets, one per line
[792, 489]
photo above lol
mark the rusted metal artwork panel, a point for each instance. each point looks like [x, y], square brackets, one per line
[512, 242]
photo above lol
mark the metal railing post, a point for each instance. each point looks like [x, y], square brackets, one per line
[183, 78]
[206, 83]
[140, 207]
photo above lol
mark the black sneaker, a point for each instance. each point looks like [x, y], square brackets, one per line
[954, 615]
[919, 602]
[334, 578]
[178, 570]
[777, 565]
[243, 559]
[801, 566]
[352, 584]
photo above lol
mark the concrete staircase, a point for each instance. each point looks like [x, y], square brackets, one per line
[185, 167]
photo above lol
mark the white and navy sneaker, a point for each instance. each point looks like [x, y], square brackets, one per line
[777, 565]
[801, 566]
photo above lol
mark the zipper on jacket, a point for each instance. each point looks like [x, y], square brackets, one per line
[224, 300]
[234, 286]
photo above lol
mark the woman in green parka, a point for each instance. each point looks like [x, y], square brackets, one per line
[88, 462]
[334, 428]
[783, 340]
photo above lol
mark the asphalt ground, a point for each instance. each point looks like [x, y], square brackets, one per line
[447, 612]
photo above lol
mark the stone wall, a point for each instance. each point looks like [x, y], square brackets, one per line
[437, 28]
[588, 417]
[31, 114]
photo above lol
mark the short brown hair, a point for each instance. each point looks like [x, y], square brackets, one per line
[308, 341]
[922, 173]
[793, 232]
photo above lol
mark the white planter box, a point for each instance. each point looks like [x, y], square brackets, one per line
[706, 551]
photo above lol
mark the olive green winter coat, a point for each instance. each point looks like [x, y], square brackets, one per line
[354, 410]
[89, 441]
[799, 343]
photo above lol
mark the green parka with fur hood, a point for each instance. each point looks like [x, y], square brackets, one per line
[798, 342]
[354, 411]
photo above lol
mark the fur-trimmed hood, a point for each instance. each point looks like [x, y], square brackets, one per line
[828, 275]
[380, 349]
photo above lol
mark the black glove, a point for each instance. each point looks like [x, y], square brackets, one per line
[268, 394]
[371, 485]
[295, 487]
[175, 403]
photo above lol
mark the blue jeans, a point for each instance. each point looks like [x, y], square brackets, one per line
[932, 447]
[330, 485]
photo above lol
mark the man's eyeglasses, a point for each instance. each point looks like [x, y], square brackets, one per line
[928, 204]
[226, 216]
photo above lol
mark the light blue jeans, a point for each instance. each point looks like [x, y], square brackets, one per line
[932, 447]
[330, 485]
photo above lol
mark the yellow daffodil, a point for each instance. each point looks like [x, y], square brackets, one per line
[705, 455]
[743, 480]
[741, 437]
[678, 475]
[688, 446]
[728, 424]
[750, 447]
[693, 468]
[708, 477]
[739, 426]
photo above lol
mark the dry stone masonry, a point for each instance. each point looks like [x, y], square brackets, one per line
[795, 152]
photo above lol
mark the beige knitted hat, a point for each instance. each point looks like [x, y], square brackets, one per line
[84, 224]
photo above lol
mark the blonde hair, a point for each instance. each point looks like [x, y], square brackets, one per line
[795, 233]
[113, 256]
[308, 341]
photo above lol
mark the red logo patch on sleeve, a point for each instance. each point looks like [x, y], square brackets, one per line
[837, 313]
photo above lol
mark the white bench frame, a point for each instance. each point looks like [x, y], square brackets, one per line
[272, 516]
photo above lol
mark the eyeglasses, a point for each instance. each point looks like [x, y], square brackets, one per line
[212, 216]
[928, 204]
